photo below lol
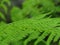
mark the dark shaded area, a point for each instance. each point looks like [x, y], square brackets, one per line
[53, 15]
[46, 38]
[1, 19]
[55, 43]
[31, 42]
[6, 15]
[56, 14]
[18, 3]
[41, 43]
[39, 5]
[56, 2]
[28, 16]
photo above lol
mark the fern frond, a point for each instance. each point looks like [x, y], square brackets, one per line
[30, 27]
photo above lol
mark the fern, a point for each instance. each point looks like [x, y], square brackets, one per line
[34, 30]
[26, 29]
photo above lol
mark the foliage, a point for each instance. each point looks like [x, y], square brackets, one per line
[37, 23]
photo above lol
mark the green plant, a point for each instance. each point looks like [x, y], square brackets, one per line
[42, 28]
